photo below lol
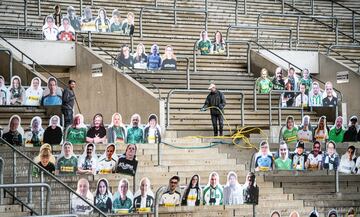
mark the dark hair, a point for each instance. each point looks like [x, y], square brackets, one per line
[152, 117]
[106, 185]
[175, 177]
[90, 144]
[351, 147]
[317, 142]
[221, 38]
[291, 68]
[331, 142]
[71, 81]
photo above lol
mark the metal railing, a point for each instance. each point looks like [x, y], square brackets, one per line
[157, 195]
[258, 27]
[35, 64]
[195, 53]
[299, 16]
[203, 91]
[10, 61]
[174, 9]
[332, 47]
[44, 171]
[1, 180]
[352, 12]
[280, 107]
[322, 23]
[328, 50]
[31, 185]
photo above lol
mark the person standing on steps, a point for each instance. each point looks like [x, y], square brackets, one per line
[68, 100]
[215, 99]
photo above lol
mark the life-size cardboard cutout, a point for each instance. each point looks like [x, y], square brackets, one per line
[144, 197]
[123, 198]
[213, 191]
[78, 206]
[103, 196]
[127, 163]
[34, 136]
[67, 162]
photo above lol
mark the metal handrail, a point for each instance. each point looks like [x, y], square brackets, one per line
[258, 27]
[10, 61]
[329, 26]
[2, 162]
[343, 6]
[237, 8]
[280, 108]
[353, 12]
[53, 177]
[187, 70]
[195, 53]
[202, 91]
[32, 211]
[30, 185]
[289, 64]
[34, 63]
[299, 16]
[130, 69]
[157, 195]
[328, 48]
[331, 47]
[175, 10]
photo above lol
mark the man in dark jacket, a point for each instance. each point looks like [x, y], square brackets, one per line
[351, 133]
[215, 99]
[68, 99]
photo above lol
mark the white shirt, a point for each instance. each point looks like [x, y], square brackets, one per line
[304, 101]
[314, 161]
[170, 199]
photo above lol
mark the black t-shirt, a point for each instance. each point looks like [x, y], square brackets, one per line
[92, 133]
[330, 103]
[14, 138]
[53, 136]
[122, 61]
[168, 64]
[50, 167]
[126, 166]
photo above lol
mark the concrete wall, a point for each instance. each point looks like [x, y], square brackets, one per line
[328, 69]
[46, 52]
[113, 92]
[259, 61]
[295, 57]
[17, 67]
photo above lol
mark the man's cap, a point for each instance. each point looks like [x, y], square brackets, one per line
[212, 85]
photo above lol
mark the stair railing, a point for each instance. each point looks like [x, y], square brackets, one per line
[299, 16]
[333, 3]
[257, 28]
[34, 64]
[44, 171]
[31, 185]
[350, 46]
[327, 25]
[174, 9]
